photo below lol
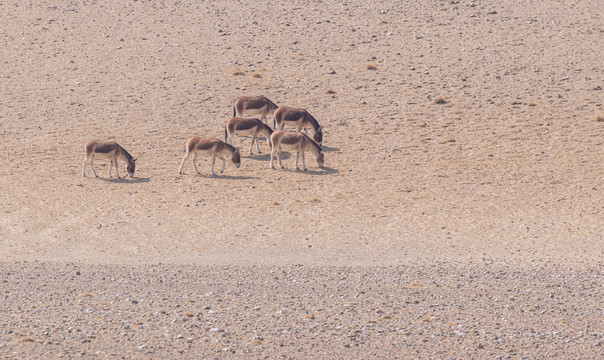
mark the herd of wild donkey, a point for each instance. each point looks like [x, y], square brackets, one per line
[278, 140]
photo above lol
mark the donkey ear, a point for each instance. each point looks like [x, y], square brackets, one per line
[133, 160]
[320, 128]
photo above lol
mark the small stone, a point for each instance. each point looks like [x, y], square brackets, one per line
[331, 72]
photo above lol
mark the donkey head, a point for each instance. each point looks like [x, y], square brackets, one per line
[318, 136]
[236, 158]
[320, 159]
[131, 167]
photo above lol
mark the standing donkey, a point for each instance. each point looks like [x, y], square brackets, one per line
[254, 105]
[300, 119]
[294, 141]
[214, 148]
[107, 150]
[247, 126]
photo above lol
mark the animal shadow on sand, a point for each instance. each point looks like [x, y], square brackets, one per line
[329, 149]
[325, 171]
[127, 180]
[267, 156]
[227, 177]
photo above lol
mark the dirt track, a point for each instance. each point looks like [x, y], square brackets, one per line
[507, 172]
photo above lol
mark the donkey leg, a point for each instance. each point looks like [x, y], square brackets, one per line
[213, 161]
[270, 164]
[194, 160]
[303, 165]
[279, 151]
[255, 138]
[182, 163]
[91, 168]
[116, 172]
[296, 160]
[84, 168]
[223, 163]
[109, 170]
[252, 144]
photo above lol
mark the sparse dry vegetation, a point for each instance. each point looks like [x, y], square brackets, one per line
[600, 118]
[238, 72]
[370, 66]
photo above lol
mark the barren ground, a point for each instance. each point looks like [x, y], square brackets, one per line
[467, 228]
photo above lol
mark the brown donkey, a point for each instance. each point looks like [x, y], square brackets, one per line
[213, 148]
[300, 119]
[254, 105]
[295, 141]
[107, 150]
[247, 126]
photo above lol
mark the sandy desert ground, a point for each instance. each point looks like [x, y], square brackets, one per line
[459, 214]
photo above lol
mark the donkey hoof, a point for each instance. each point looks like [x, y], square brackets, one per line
[305, 169]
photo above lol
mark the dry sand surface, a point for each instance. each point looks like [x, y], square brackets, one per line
[459, 214]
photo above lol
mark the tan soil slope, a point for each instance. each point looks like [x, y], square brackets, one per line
[508, 169]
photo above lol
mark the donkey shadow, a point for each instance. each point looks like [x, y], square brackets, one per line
[228, 177]
[267, 156]
[329, 149]
[325, 171]
[132, 180]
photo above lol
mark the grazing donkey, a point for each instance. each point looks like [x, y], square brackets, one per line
[295, 141]
[107, 150]
[254, 105]
[247, 126]
[213, 148]
[300, 119]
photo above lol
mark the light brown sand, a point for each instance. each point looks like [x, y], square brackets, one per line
[506, 175]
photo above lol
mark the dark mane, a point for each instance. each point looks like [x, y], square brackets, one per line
[126, 154]
[312, 141]
[271, 102]
[313, 120]
[266, 126]
[230, 146]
